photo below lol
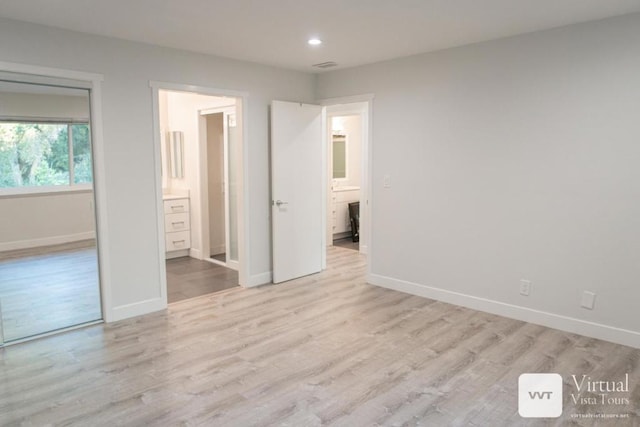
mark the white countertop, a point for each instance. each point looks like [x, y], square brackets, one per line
[346, 188]
[173, 196]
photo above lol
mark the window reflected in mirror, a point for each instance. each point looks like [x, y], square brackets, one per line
[48, 249]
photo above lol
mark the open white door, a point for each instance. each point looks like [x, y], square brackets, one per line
[297, 189]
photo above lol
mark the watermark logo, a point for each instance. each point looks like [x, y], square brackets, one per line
[598, 392]
[540, 395]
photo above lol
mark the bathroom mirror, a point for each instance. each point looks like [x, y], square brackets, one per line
[176, 148]
[339, 149]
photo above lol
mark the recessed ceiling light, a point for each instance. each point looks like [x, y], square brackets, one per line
[314, 42]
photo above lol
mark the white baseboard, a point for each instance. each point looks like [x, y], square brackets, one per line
[136, 309]
[177, 254]
[555, 321]
[195, 253]
[46, 241]
[364, 249]
[219, 249]
[234, 265]
[342, 235]
[259, 279]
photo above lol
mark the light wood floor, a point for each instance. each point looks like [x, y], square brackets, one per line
[326, 349]
[50, 288]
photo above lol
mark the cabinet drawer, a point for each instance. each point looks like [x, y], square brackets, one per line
[178, 240]
[176, 206]
[341, 218]
[176, 222]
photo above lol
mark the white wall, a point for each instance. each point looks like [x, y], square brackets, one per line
[511, 159]
[45, 219]
[128, 139]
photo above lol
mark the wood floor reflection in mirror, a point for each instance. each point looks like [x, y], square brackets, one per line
[48, 288]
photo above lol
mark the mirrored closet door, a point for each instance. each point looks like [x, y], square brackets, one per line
[49, 278]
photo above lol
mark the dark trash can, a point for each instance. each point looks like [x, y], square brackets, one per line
[354, 219]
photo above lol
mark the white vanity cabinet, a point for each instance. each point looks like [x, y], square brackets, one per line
[177, 226]
[342, 196]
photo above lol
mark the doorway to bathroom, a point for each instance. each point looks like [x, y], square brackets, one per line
[347, 188]
[302, 168]
[200, 138]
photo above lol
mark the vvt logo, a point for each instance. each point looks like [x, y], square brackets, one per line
[540, 395]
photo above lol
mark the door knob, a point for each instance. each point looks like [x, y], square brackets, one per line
[279, 203]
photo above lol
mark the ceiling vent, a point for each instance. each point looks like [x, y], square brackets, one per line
[327, 64]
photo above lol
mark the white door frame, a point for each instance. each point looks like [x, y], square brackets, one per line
[243, 211]
[367, 156]
[204, 179]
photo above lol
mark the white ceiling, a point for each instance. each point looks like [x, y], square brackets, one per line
[275, 32]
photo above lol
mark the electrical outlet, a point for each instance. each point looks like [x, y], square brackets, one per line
[525, 287]
[588, 300]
